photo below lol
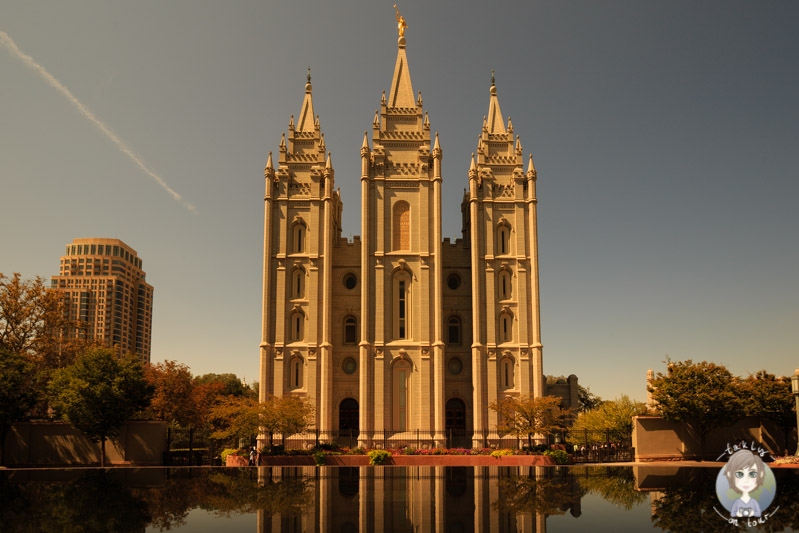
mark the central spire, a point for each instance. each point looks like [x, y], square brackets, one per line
[306, 122]
[401, 94]
[495, 124]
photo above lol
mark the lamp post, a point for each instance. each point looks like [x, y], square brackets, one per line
[795, 389]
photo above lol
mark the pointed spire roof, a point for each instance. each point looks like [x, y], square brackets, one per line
[306, 120]
[494, 118]
[269, 164]
[530, 167]
[365, 141]
[401, 94]
[436, 146]
[328, 163]
[473, 166]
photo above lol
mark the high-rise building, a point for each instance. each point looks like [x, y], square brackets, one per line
[105, 289]
[398, 332]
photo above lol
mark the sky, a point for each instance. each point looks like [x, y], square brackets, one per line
[665, 137]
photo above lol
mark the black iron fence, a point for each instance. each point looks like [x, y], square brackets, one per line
[187, 447]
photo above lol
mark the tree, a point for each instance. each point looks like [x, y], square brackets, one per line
[526, 415]
[615, 416]
[177, 398]
[770, 397]
[702, 395]
[231, 384]
[242, 418]
[18, 393]
[99, 393]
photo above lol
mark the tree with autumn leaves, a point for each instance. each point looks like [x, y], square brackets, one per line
[243, 418]
[527, 415]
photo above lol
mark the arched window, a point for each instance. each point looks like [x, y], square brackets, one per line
[298, 238]
[402, 396]
[454, 330]
[506, 377]
[298, 283]
[504, 285]
[295, 373]
[503, 239]
[505, 327]
[401, 234]
[296, 323]
[402, 305]
[350, 330]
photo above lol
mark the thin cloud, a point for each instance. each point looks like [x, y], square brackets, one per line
[9, 44]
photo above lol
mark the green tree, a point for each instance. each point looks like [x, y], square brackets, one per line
[18, 393]
[231, 384]
[702, 395]
[615, 416]
[99, 393]
[769, 397]
[242, 418]
[527, 415]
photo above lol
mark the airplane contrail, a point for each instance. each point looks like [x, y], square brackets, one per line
[9, 43]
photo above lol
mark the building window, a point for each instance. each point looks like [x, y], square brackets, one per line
[298, 238]
[296, 326]
[505, 327]
[454, 330]
[506, 373]
[298, 283]
[350, 330]
[503, 240]
[350, 281]
[402, 396]
[504, 285]
[349, 365]
[402, 225]
[402, 282]
[295, 374]
[454, 365]
[453, 282]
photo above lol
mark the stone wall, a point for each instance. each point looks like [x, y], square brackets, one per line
[139, 443]
[656, 439]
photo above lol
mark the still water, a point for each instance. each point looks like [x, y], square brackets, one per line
[391, 499]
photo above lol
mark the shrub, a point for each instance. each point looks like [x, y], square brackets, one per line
[560, 456]
[225, 453]
[409, 451]
[357, 451]
[378, 457]
[319, 458]
[499, 453]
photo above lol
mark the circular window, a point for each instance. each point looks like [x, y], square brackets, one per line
[349, 365]
[454, 366]
[453, 281]
[350, 281]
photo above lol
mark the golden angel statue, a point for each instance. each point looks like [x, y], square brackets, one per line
[401, 24]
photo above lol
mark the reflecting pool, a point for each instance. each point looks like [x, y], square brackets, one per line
[394, 499]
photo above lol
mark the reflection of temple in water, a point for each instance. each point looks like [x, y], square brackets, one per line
[418, 499]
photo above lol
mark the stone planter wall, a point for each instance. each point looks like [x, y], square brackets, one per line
[400, 460]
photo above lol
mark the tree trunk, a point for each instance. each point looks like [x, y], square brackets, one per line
[102, 452]
[4, 429]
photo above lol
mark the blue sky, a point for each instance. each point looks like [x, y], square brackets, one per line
[665, 137]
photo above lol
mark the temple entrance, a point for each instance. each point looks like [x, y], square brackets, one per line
[348, 422]
[455, 419]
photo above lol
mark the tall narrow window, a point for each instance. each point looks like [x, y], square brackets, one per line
[295, 376]
[504, 285]
[401, 234]
[505, 328]
[402, 385]
[298, 238]
[350, 330]
[507, 378]
[296, 322]
[403, 302]
[298, 283]
[401, 305]
[454, 330]
[503, 240]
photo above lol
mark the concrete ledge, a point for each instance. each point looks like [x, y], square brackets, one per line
[399, 460]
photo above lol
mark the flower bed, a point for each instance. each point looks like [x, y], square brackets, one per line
[401, 460]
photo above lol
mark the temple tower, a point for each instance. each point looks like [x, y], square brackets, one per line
[506, 346]
[301, 218]
[402, 352]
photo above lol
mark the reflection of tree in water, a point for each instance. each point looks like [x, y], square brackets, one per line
[614, 484]
[689, 507]
[552, 493]
[237, 492]
[96, 501]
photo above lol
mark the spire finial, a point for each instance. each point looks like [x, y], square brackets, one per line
[492, 75]
[308, 82]
[309, 74]
[401, 24]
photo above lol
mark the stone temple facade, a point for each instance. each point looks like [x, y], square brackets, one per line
[398, 333]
